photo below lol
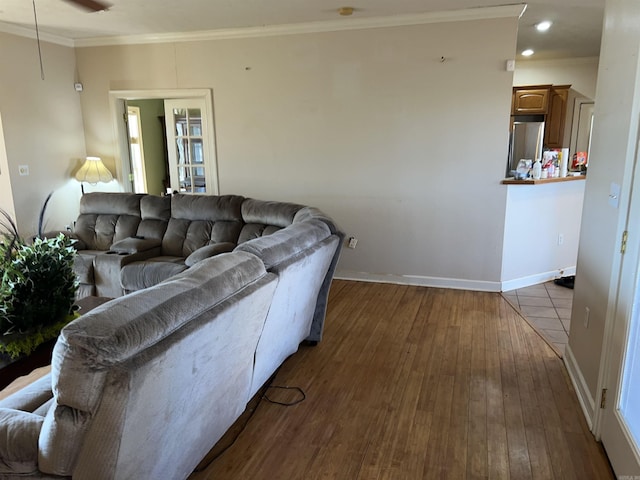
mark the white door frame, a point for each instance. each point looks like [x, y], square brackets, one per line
[619, 316]
[117, 100]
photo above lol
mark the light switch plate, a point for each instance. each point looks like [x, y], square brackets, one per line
[614, 195]
[23, 170]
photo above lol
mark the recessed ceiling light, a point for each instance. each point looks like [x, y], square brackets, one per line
[543, 26]
[527, 53]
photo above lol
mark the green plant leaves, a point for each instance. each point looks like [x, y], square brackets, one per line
[38, 284]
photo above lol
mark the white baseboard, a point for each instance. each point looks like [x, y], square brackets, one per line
[586, 400]
[455, 283]
[438, 282]
[536, 279]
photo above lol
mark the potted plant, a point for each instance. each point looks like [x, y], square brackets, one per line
[38, 286]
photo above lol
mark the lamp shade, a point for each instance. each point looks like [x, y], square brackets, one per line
[93, 171]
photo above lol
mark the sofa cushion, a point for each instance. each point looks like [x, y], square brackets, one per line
[147, 273]
[198, 220]
[155, 213]
[83, 265]
[134, 245]
[285, 243]
[85, 290]
[106, 218]
[280, 214]
[265, 217]
[30, 398]
[19, 432]
[208, 251]
[256, 230]
[312, 213]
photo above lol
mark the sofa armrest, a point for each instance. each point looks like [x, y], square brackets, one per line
[208, 251]
[135, 245]
[19, 432]
[107, 267]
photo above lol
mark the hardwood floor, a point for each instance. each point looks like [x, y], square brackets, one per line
[419, 383]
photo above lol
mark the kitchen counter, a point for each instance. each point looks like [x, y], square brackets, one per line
[531, 181]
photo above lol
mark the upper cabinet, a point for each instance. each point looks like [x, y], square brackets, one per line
[547, 101]
[556, 115]
[530, 100]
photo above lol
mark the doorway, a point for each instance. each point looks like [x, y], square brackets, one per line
[147, 147]
[166, 141]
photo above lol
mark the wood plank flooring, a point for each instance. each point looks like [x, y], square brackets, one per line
[418, 383]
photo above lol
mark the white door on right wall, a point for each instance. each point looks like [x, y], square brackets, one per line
[620, 419]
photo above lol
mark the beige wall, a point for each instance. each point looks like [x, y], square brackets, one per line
[613, 149]
[43, 129]
[580, 73]
[404, 151]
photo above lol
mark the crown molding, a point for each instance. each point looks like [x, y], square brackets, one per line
[31, 33]
[482, 13]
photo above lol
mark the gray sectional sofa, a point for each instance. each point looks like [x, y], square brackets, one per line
[127, 242]
[144, 385]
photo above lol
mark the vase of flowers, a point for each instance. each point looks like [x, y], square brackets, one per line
[38, 287]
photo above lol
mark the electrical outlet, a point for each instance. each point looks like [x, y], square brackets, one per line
[586, 317]
[353, 241]
[560, 238]
[23, 170]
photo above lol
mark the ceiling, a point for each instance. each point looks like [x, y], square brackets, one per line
[576, 30]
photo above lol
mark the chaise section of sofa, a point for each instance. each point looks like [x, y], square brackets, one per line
[143, 386]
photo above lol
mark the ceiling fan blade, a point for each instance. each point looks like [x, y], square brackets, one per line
[91, 5]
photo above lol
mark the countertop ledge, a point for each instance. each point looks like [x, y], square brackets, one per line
[531, 181]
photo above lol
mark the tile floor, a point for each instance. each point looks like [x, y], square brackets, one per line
[548, 308]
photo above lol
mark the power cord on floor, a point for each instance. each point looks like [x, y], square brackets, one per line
[217, 452]
[302, 398]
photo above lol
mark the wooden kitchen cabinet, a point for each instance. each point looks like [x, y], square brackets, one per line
[530, 100]
[555, 121]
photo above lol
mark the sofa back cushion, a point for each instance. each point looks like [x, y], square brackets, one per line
[155, 213]
[106, 218]
[132, 378]
[265, 217]
[312, 213]
[199, 220]
[286, 243]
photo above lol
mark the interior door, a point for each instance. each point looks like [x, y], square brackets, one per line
[620, 419]
[190, 153]
[136, 150]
